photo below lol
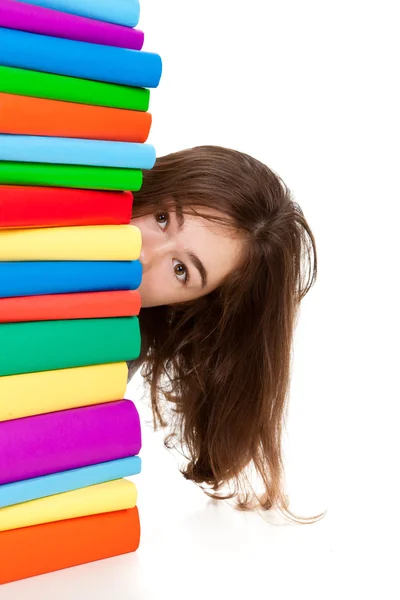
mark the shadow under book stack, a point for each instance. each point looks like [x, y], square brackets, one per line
[74, 99]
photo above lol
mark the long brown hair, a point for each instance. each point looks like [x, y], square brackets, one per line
[222, 362]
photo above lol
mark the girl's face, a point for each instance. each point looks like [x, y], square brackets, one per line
[184, 257]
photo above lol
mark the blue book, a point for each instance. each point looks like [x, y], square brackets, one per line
[49, 54]
[63, 277]
[66, 481]
[120, 12]
[70, 151]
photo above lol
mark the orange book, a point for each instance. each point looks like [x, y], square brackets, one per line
[36, 116]
[40, 549]
[58, 307]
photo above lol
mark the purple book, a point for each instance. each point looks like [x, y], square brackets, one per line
[68, 439]
[45, 21]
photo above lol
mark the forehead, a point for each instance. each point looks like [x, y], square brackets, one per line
[205, 225]
[218, 246]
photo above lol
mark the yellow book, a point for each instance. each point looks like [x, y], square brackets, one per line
[50, 391]
[97, 242]
[95, 499]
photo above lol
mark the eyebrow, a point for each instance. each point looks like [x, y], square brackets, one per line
[194, 259]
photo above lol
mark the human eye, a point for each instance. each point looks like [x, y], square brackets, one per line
[162, 218]
[181, 272]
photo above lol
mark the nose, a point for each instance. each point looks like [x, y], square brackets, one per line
[152, 251]
[145, 258]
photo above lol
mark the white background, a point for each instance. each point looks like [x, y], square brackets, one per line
[309, 88]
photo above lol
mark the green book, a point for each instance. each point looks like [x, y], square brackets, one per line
[72, 89]
[70, 176]
[30, 347]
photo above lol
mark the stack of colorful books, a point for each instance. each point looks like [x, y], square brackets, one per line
[74, 99]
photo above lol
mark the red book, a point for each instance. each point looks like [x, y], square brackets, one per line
[55, 118]
[39, 549]
[30, 207]
[86, 305]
